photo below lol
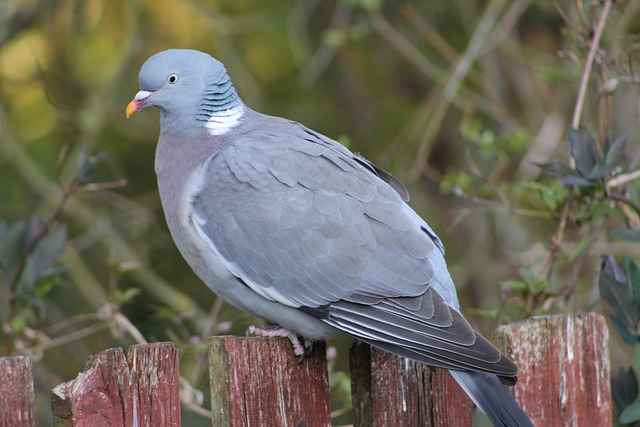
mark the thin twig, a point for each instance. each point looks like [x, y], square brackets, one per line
[149, 280]
[547, 265]
[556, 241]
[323, 56]
[42, 231]
[433, 37]
[192, 399]
[12, 284]
[454, 83]
[65, 339]
[632, 80]
[101, 186]
[85, 317]
[622, 199]
[578, 264]
[211, 322]
[68, 190]
[120, 321]
[433, 109]
[508, 21]
[402, 45]
[429, 33]
[500, 207]
[595, 43]
[623, 179]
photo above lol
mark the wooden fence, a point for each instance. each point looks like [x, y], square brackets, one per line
[564, 380]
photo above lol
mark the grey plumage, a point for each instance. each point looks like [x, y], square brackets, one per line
[291, 226]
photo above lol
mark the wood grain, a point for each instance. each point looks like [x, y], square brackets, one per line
[258, 382]
[392, 390]
[563, 368]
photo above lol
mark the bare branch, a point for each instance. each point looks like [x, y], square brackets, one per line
[595, 43]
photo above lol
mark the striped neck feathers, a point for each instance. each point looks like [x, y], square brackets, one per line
[221, 109]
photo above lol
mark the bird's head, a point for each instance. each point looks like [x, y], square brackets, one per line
[189, 87]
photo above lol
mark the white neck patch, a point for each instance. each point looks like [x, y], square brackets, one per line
[222, 122]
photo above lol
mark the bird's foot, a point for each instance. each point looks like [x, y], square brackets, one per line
[301, 347]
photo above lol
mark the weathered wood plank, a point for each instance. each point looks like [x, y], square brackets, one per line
[155, 368]
[258, 382]
[391, 390]
[16, 392]
[564, 372]
[110, 392]
[100, 395]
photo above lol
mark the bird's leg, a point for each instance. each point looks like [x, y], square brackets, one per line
[301, 347]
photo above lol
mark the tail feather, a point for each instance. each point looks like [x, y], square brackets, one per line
[492, 398]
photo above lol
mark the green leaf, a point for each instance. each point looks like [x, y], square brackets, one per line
[584, 150]
[18, 323]
[627, 336]
[528, 276]
[627, 234]
[551, 192]
[615, 289]
[616, 154]
[577, 181]
[636, 358]
[453, 180]
[600, 172]
[633, 278]
[43, 287]
[624, 387]
[334, 38]
[28, 276]
[12, 246]
[558, 169]
[596, 210]
[88, 167]
[49, 249]
[630, 414]
[515, 285]
[34, 225]
[127, 295]
[45, 281]
[542, 286]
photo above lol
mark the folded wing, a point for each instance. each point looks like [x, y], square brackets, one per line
[304, 222]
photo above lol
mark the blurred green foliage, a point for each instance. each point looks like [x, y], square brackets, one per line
[462, 100]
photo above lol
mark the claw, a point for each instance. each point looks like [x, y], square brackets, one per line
[301, 347]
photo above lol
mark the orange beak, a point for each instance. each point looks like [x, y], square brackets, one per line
[140, 101]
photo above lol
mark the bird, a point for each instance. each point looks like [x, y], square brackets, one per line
[290, 226]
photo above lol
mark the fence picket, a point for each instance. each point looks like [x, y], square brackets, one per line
[259, 382]
[564, 379]
[391, 390]
[564, 373]
[143, 391]
[16, 392]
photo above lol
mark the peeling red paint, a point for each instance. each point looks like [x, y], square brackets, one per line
[564, 370]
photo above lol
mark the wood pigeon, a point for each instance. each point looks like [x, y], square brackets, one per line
[290, 226]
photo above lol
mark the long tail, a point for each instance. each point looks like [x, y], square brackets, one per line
[492, 398]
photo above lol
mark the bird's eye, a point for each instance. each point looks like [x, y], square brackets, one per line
[173, 78]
